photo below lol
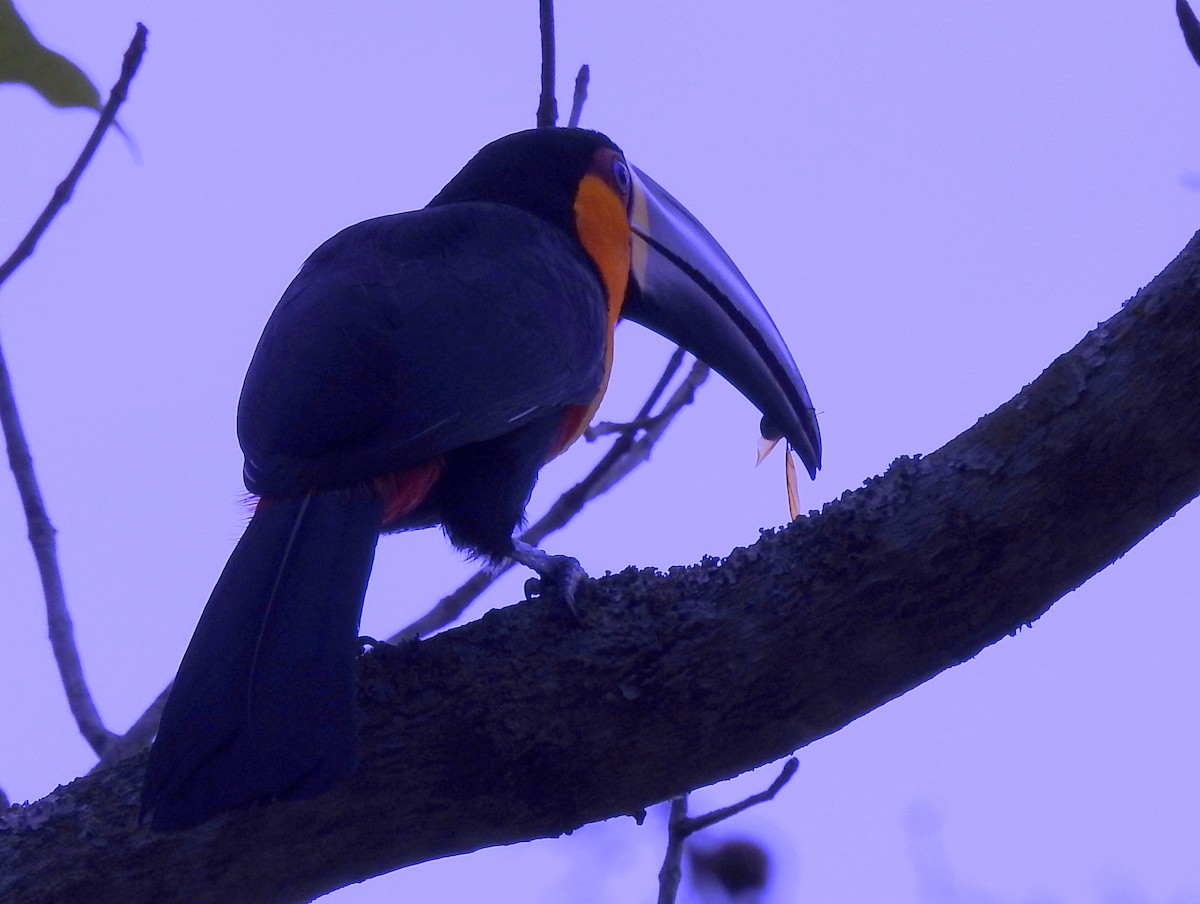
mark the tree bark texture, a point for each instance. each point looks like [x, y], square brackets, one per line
[525, 724]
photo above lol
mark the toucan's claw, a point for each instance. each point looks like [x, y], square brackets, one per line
[561, 573]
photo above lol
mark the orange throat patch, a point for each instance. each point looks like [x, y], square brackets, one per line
[603, 228]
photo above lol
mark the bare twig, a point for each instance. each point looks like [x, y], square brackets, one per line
[41, 531]
[625, 454]
[547, 111]
[640, 448]
[581, 86]
[605, 428]
[643, 416]
[672, 869]
[698, 823]
[664, 380]
[62, 194]
[449, 607]
[680, 827]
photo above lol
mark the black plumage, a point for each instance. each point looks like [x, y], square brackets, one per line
[419, 370]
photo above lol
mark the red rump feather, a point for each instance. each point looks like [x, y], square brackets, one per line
[402, 490]
[405, 490]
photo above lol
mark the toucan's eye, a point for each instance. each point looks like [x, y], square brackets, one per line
[621, 177]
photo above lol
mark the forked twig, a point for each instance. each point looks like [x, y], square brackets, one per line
[41, 531]
[680, 827]
[605, 428]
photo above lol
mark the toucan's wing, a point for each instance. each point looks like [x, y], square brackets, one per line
[411, 335]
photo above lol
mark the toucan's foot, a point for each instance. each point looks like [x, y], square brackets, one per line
[562, 573]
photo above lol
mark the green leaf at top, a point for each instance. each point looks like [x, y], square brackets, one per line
[25, 61]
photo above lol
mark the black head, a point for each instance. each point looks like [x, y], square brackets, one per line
[538, 170]
[662, 267]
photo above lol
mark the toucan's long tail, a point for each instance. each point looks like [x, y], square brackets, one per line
[263, 705]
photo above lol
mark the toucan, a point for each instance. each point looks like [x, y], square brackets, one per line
[420, 370]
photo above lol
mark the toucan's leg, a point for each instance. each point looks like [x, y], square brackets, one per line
[481, 497]
[562, 572]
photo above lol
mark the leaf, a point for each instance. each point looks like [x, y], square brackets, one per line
[765, 447]
[25, 61]
[1190, 26]
[793, 491]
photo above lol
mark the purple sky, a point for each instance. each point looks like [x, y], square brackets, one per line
[934, 199]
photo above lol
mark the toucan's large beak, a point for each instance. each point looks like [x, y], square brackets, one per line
[689, 291]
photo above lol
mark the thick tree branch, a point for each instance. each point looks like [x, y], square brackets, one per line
[525, 725]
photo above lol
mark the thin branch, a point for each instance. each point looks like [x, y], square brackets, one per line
[680, 827]
[41, 531]
[672, 869]
[664, 380]
[699, 823]
[62, 194]
[622, 457]
[547, 111]
[606, 428]
[581, 86]
[641, 447]
[449, 607]
[625, 455]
